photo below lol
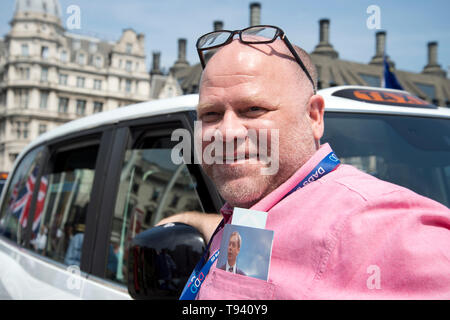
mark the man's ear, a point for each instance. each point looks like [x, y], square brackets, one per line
[316, 111]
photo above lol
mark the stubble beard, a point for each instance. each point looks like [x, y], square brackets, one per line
[243, 185]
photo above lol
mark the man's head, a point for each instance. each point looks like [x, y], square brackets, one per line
[253, 87]
[234, 246]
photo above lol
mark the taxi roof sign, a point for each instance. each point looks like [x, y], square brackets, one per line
[384, 97]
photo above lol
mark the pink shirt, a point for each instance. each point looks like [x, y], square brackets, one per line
[347, 235]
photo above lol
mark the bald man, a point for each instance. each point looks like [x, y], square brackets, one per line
[341, 235]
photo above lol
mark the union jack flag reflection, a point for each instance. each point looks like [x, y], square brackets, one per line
[21, 200]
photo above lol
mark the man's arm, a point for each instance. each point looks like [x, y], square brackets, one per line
[205, 223]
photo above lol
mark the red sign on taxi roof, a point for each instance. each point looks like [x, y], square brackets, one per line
[402, 99]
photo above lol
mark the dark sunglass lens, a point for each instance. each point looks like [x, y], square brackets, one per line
[257, 34]
[212, 39]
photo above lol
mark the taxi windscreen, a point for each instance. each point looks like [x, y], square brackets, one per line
[413, 152]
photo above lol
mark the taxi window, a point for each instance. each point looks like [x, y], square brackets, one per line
[151, 187]
[70, 177]
[17, 203]
[413, 152]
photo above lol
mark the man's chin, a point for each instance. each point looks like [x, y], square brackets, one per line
[243, 192]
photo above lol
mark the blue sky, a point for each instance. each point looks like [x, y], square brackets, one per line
[409, 24]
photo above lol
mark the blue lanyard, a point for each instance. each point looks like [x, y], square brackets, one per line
[191, 287]
[328, 164]
[190, 291]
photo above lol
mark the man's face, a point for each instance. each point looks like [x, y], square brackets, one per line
[233, 250]
[247, 88]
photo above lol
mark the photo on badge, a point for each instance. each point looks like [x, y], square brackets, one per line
[246, 251]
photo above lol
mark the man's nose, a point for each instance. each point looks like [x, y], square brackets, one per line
[232, 127]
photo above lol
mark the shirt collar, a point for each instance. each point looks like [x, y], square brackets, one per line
[228, 267]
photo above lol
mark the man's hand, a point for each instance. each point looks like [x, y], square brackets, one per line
[205, 223]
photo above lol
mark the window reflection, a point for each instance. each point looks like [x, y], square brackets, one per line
[151, 188]
[413, 152]
[65, 204]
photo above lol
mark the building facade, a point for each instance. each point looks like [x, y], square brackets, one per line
[49, 76]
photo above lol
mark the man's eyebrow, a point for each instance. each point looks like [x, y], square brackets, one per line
[206, 106]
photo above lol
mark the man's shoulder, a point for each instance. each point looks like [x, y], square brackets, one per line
[239, 271]
[371, 188]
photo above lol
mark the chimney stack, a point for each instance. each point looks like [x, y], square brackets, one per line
[255, 13]
[380, 43]
[380, 50]
[324, 47]
[324, 25]
[432, 53]
[218, 25]
[433, 67]
[182, 50]
[156, 63]
[181, 63]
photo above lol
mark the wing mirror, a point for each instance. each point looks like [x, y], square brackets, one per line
[161, 259]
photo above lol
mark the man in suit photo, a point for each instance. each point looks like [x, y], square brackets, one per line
[234, 247]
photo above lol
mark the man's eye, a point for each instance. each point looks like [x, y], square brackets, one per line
[210, 116]
[252, 111]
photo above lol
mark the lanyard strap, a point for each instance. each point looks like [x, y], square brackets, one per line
[329, 163]
[197, 276]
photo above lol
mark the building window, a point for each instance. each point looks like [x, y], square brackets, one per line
[64, 56]
[21, 129]
[81, 107]
[128, 65]
[428, 89]
[92, 47]
[76, 44]
[44, 52]
[25, 130]
[98, 84]
[371, 80]
[98, 106]
[24, 73]
[44, 74]
[63, 105]
[63, 79]
[80, 82]
[174, 201]
[25, 50]
[18, 129]
[98, 61]
[21, 98]
[129, 48]
[128, 85]
[81, 58]
[44, 100]
[42, 128]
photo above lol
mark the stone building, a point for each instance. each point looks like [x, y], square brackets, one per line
[49, 75]
[431, 84]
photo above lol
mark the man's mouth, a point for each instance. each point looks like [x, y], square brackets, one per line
[237, 158]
